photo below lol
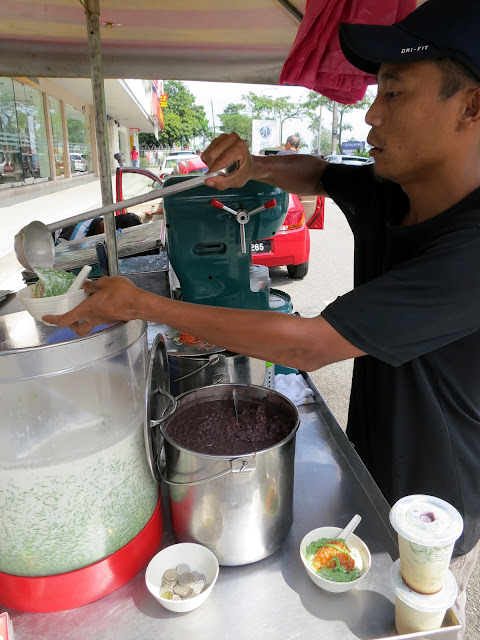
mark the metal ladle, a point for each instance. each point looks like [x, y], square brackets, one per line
[34, 246]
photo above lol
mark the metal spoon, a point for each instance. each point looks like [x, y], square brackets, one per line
[350, 528]
[235, 403]
[34, 242]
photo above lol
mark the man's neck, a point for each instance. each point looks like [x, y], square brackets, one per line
[429, 198]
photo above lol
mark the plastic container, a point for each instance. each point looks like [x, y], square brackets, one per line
[75, 483]
[427, 529]
[416, 612]
[259, 278]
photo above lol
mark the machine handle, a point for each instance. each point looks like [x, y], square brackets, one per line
[216, 203]
[271, 203]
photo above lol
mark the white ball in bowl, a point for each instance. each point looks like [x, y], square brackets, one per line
[197, 557]
[354, 542]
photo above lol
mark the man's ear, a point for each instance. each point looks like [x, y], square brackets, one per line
[471, 113]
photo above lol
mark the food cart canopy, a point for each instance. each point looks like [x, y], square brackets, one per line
[213, 40]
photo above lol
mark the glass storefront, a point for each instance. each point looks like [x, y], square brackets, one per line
[54, 108]
[79, 141]
[23, 137]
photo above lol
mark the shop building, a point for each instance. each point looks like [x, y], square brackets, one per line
[47, 129]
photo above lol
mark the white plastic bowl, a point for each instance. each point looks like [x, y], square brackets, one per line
[55, 305]
[197, 557]
[354, 542]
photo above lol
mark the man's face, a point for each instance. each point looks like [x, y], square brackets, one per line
[413, 130]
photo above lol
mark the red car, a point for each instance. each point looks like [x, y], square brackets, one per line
[290, 247]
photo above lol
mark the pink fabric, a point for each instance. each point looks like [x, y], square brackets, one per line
[316, 60]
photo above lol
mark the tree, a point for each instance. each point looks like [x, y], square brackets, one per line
[233, 119]
[275, 108]
[344, 109]
[184, 120]
[315, 100]
[325, 138]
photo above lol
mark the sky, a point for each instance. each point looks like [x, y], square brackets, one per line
[216, 96]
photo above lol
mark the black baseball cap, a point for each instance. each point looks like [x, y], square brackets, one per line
[436, 29]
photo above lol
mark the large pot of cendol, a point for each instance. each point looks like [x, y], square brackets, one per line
[75, 482]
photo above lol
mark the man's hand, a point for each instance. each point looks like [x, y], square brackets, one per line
[110, 300]
[225, 150]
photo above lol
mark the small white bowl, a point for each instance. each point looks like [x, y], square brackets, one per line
[55, 305]
[354, 542]
[197, 557]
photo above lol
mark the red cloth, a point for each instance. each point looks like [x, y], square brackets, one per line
[316, 60]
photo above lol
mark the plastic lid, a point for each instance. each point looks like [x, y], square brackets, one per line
[257, 269]
[440, 601]
[426, 520]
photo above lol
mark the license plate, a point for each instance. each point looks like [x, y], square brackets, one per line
[261, 246]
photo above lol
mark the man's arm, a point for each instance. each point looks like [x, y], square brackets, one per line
[299, 174]
[303, 343]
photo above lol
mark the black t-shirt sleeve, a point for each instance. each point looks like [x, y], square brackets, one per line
[350, 187]
[421, 305]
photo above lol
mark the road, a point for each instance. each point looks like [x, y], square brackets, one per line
[331, 275]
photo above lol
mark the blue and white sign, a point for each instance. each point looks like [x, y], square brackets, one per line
[352, 145]
[265, 133]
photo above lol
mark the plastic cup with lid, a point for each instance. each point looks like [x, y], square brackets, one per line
[416, 612]
[427, 529]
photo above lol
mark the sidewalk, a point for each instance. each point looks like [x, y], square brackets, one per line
[46, 205]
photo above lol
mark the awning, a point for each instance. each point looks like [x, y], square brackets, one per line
[246, 41]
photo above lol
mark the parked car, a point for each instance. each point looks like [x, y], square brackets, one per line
[170, 162]
[10, 170]
[352, 160]
[78, 162]
[190, 165]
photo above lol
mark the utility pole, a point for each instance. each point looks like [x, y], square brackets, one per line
[213, 117]
[335, 128]
[319, 130]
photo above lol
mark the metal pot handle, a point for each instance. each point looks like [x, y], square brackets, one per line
[236, 466]
[166, 412]
[212, 360]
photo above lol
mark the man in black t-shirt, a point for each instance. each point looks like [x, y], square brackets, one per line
[412, 322]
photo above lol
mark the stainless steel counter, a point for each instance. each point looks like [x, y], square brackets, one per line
[273, 599]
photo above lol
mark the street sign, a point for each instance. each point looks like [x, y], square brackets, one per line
[352, 145]
[265, 133]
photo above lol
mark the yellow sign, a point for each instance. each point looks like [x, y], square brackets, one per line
[163, 99]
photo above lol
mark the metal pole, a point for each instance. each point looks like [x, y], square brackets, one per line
[213, 117]
[92, 13]
[335, 128]
[319, 130]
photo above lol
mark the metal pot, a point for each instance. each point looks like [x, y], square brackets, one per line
[193, 372]
[200, 364]
[240, 507]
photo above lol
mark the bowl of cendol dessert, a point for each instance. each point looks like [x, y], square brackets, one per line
[333, 564]
[49, 295]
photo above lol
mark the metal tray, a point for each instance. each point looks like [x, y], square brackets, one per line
[274, 598]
